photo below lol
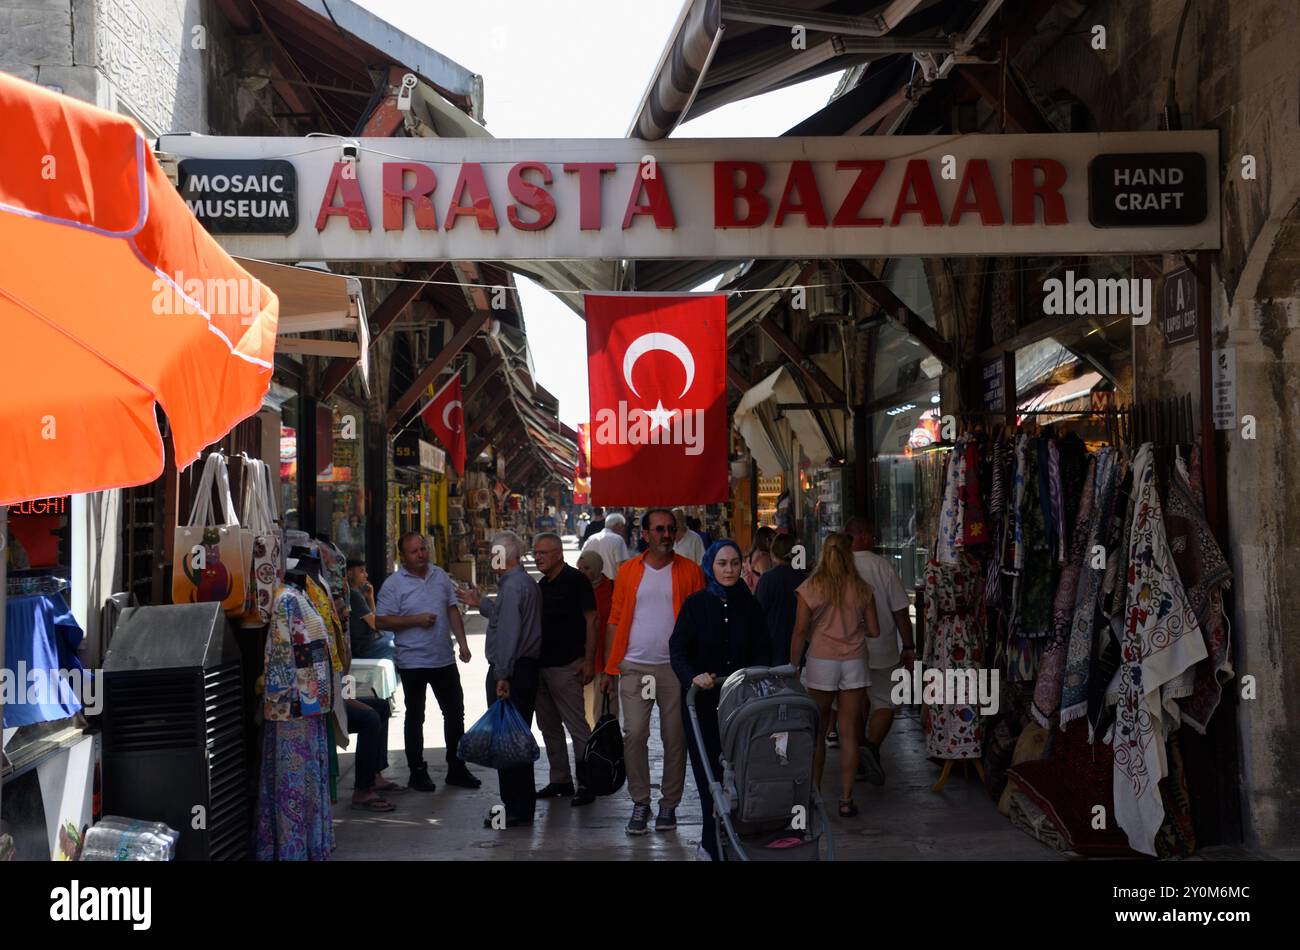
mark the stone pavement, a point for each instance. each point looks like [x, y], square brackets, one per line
[902, 820]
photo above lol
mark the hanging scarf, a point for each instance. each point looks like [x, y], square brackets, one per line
[1047, 691]
[998, 518]
[1161, 640]
[1015, 538]
[1205, 575]
[1112, 611]
[1074, 686]
[712, 585]
[951, 514]
[1061, 551]
[1033, 588]
[975, 527]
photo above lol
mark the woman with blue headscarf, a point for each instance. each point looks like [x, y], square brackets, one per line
[719, 630]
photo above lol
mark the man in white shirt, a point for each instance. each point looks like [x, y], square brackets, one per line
[886, 651]
[610, 544]
[688, 543]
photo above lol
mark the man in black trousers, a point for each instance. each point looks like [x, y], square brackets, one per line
[514, 644]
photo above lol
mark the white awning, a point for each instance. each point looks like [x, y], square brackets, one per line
[313, 301]
[751, 427]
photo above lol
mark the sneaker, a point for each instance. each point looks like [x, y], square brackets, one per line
[463, 778]
[556, 790]
[832, 740]
[585, 796]
[640, 821]
[667, 820]
[869, 765]
[420, 780]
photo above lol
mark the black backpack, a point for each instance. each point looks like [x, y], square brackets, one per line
[604, 754]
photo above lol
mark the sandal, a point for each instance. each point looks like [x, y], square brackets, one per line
[375, 804]
[848, 809]
[392, 788]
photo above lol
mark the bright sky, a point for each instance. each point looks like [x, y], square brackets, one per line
[576, 69]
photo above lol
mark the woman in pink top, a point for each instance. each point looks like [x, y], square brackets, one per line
[836, 613]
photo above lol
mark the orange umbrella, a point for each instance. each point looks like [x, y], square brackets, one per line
[112, 298]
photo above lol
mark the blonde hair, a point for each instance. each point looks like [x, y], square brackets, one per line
[836, 573]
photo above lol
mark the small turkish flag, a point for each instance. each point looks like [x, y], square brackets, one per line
[656, 369]
[445, 416]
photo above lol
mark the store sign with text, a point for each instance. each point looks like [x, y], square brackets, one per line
[543, 199]
[241, 197]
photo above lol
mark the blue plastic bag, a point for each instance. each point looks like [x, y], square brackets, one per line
[500, 739]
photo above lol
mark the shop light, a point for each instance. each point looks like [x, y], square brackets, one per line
[903, 408]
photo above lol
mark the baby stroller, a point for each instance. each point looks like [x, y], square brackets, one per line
[765, 798]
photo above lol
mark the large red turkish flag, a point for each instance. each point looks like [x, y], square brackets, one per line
[656, 368]
[445, 416]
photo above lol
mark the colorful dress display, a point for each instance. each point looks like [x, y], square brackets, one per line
[293, 810]
[954, 615]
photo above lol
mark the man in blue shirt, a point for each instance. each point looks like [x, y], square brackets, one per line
[419, 605]
[513, 647]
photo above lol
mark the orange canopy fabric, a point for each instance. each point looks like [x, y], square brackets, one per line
[112, 298]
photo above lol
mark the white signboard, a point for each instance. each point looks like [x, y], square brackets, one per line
[544, 199]
[1225, 388]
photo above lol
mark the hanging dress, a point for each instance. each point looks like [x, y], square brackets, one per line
[294, 821]
[954, 641]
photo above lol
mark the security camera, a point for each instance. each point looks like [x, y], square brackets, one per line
[351, 151]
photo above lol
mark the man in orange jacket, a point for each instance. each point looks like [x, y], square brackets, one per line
[648, 595]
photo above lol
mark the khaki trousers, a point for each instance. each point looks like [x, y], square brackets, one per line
[639, 687]
[560, 704]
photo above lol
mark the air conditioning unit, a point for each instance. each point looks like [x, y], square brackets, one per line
[175, 748]
[828, 297]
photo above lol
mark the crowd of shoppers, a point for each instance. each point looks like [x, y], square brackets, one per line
[645, 627]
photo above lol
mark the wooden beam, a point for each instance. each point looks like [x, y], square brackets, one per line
[464, 334]
[468, 273]
[240, 17]
[482, 378]
[806, 367]
[283, 64]
[385, 119]
[488, 415]
[739, 382]
[1038, 330]
[383, 317]
[1021, 110]
[898, 312]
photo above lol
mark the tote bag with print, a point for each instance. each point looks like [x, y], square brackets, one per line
[211, 559]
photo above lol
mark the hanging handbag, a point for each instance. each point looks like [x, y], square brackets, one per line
[268, 563]
[210, 560]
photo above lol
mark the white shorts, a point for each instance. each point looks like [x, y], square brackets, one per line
[881, 687]
[832, 675]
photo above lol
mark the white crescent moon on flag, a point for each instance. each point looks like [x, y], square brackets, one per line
[658, 341]
[446, 413]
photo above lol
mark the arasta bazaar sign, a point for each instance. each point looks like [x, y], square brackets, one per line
[542, 199]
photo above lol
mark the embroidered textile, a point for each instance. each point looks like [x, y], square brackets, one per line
[298, 672]
[294, 821]
[951, 514]
[955, 640]
[1205, 575]
[975, 527]
[1161, 640]
[1051, 671]
[1078, 657]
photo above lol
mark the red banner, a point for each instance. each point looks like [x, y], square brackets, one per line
[445, 417]
[656, 368]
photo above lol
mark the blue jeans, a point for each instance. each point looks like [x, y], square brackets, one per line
[380, 648]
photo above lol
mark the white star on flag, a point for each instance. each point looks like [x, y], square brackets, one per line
[659, 416]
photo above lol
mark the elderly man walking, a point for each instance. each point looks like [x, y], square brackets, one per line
[513, 647]
[567, 661]
[610, 544]
[648, 595]
[419, 605]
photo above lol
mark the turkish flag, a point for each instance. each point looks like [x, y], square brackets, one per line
[445, 417]
[656, 367]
